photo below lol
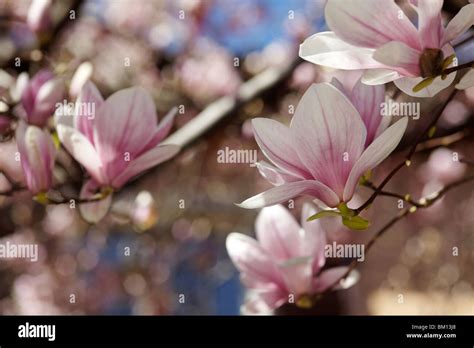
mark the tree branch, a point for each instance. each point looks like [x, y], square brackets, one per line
[429, 201]
[410, 154]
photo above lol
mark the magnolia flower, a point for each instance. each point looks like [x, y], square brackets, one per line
[39, 15]
[37, 154]
[115, 140]
[82, 74]
[377, 36]
[322, 153]
[285, 263]
[368, 101]
[39, 97]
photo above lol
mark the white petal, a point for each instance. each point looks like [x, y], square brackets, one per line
[328, 50]
[290, 190]
[463, 20]
[400, 57]
[380, 148]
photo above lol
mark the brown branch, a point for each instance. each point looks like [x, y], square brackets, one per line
[459, 67]
[443, 141]
[429, 201]
[406, 198]
[410, 154]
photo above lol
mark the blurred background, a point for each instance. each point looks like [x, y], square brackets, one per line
[161, 250]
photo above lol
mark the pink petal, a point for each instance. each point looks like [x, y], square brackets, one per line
[82, 74]
[406, 84]
[290, 190]
[95, 211]
[163, 128]
[463, 20]
[368, 101]
[82, 150]
[312, 238]
[328, 278]
[277, 232]
[338, 84]
[50, 93]
[264, 301]
[39, 15]
[298, 275]
[368, 23]
[400, 57]
[37, 154]
[429, 23]
[275, 141]
[148, 160]
[329, 134]
[250, 259]
[329, 50]
[85, 123]
[275, 175]
[379, 76]
[13, 169]
[380, 148]
[123, 127]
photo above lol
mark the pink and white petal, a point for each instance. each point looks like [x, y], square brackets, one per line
[11, 168]
[95, 211]
[263, 302]
[338, 84]
[277, 232]
[275, 175]
[123, 127]
[329, 134]
[368, 23]
[377, 151]
[328, 50]
[386, 120]
[368, 101]
[312, 238]
[406, 85]
[298, 275]
[379, 76]
[467, 80]
[463, 20]
[37, 156]
[82, 74]
[252, 260]
[148, 160]
[163, 128]
[82, 150]
[275, 141]
[48, 95]
[329, 278]
[91, 97]
[283, 193]
[400, 57]
[429, 23]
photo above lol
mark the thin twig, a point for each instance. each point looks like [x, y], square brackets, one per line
[407, 160]
[430, 200]
[406, 198]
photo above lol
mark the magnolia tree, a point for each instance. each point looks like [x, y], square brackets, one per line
[65, 144]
